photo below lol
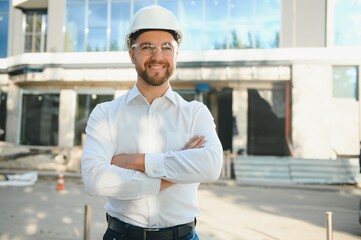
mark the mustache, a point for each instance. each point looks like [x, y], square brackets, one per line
[156, 62]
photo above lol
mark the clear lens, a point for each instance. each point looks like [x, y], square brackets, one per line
[148, 49]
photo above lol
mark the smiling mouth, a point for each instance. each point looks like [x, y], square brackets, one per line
[156, 67]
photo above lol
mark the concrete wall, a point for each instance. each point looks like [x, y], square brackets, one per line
[303, 23]
[323, 127]
[345, 127]
[15, 38]
[56, 14]
[311, 110]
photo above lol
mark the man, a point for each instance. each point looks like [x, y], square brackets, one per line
[148, 150]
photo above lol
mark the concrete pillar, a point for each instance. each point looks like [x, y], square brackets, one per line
[240, 109]
[13, 118]
[67, 117]
[55, 39]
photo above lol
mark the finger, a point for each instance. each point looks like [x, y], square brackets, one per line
[188, 144]
[196, 142]
[200, 143]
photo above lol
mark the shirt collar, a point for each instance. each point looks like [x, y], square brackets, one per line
[170, 95]
[134, 93]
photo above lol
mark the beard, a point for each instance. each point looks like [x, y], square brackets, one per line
[155, 79]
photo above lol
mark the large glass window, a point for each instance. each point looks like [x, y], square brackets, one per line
[75, 26]
[35, 31]
[40, 119]
[84, 105]
[4, 23]
[138, 4]
[240, 24]
[120, 18]
[206, 24]
[191, 21]
[97, 26]
[347, 23]
[267, 20]
[345, 82]
[254, 24]
[216, 27]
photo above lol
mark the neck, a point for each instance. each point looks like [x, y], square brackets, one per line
[152, 92]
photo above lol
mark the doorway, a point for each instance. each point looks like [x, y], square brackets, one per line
[266, 122]
[40, 119]
[225, 117]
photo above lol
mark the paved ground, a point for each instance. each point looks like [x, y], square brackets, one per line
[229, 212]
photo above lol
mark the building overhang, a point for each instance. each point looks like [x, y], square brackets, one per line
[22, 71]
[30, 4]
[271, 65]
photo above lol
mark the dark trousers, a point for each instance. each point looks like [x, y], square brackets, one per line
[111, 235]
[119, 230]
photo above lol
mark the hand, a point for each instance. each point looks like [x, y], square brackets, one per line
[129, 161]
[195, 142]
[165, 184]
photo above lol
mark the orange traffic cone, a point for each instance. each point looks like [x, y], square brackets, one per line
[60, 182]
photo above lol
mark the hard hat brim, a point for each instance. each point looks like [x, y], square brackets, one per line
[134, 35]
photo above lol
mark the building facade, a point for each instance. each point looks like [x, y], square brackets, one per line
[281, 77]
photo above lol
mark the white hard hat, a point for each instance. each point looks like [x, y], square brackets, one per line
[153, 17]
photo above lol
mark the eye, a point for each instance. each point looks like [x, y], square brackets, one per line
[167, 47]
[146, 47]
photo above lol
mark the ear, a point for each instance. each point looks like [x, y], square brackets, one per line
[131, 55]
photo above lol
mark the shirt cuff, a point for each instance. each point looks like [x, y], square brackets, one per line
[150, 186]
[154, 165]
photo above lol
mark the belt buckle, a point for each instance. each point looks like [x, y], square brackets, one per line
[146, 230]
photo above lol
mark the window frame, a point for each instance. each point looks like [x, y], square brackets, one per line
[356, 90]
[33, 33]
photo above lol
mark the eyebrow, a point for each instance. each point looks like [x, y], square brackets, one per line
[146, 43]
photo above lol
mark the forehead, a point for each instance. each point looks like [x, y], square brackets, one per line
[155, 36]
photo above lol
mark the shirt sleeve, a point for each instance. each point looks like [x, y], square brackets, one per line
[191, 165]
[99, 176]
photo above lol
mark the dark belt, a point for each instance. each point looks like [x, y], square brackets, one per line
[139, 233]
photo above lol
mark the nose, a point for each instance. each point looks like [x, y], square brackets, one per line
[157, 53]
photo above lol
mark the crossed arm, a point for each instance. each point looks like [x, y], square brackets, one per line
[137, 162]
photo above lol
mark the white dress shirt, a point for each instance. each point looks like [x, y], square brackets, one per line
[129, 124]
